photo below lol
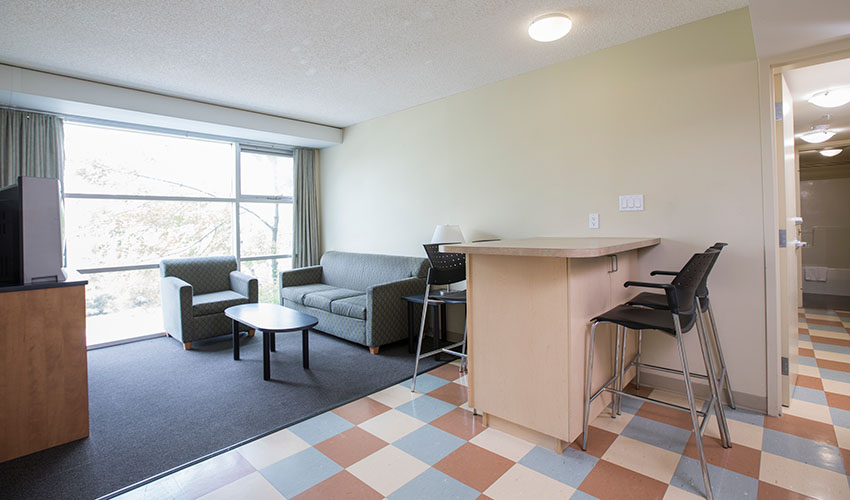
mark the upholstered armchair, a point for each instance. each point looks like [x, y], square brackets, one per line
[195, 293]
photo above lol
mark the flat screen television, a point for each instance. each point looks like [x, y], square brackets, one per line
[31, 232]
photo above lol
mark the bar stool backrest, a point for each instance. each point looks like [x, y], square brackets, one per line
[446, 268]
[702, 289]
[682, 298]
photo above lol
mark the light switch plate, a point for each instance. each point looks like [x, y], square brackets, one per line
[593, 221]
[631, 203]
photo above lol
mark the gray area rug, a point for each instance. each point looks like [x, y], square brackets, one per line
[154, 406]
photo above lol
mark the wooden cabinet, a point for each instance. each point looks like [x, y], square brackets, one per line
[528, 324]
[43, 371]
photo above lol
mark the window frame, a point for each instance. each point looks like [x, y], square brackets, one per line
[238, 146]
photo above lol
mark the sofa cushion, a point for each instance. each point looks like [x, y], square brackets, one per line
[216, 302]
[359, 271]
[353, 307]
[297, 293]
[323, 299]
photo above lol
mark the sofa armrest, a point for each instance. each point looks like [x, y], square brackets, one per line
[176, 305]
[386, 313]
[301, 276]
[245, 284]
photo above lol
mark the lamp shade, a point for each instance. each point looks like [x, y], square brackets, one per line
[447, 233]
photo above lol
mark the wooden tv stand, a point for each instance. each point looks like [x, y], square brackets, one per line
[43, 371]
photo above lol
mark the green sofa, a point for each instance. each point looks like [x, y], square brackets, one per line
[356, 296]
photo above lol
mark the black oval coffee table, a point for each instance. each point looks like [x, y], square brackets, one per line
[271, 319]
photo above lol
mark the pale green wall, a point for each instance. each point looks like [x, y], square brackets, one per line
[673, 116]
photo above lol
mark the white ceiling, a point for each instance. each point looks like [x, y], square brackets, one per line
[323, 61]
[782, 26]
[805, 82]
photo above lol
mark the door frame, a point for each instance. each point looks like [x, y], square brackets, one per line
[770, 202]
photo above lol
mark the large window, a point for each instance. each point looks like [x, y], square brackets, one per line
[135, 197]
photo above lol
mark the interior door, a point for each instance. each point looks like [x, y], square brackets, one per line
[788, 241]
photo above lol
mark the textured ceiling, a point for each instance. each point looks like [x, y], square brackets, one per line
[330, 62]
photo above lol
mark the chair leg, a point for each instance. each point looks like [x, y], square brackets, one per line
[374, 350]
[622, 371]
[588, 371]
[637, 368]
[723, 369]
[251, 332]
[615, 401]
[421, 333]
[712, 383]
[691, 405]
[187, 346]
[463, 359]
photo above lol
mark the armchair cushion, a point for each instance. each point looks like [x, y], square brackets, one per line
[323, 299]
[353, 307]
[297, 293]
[216, 302]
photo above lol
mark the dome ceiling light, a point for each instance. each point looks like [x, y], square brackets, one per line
[829, 153]
[550, 27]
[831, 98]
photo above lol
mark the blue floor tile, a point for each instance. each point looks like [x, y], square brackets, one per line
[813, 328]
[725, 484]
[805, 337]
[580, 495]
[569, 468]
[840, 349]
[321, 427]
[429, 444]
[426, 408]
[836, 375]
[657, 434]
[810, 395]
[840, 417]
[426, 383]
[807, 361]
[802, 450]
[300, 472]
[434, 484]
[822, 312]
[745, 416]
[630, 405]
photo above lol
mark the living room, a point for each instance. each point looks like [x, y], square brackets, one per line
[282, 147]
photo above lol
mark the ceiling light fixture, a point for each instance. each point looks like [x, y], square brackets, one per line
[550, 27]
[829, 153]
[818, 133]
[831, 98]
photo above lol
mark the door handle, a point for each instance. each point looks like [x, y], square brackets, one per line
[799, 244]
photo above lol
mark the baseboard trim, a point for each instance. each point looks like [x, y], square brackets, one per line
[669, 383]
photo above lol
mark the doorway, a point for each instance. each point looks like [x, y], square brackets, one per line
[813, 181]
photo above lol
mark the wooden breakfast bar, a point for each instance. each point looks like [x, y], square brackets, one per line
[530, 302]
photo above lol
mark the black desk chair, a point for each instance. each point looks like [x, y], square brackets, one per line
[446, 268]
[659, 301]
[681, 316]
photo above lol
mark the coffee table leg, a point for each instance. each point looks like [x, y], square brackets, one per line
[266, 355]
[305, 349]
[235, 340]
[273, 342]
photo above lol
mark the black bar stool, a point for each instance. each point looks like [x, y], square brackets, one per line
[681, 316]
[446, 269]
[659, 301]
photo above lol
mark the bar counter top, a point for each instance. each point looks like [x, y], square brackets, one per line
[553, 247]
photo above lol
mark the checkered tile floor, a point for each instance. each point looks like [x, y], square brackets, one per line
[398, 445]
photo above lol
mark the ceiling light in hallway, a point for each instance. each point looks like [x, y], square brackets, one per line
[829, 153]
[550, 27]
[831, 98]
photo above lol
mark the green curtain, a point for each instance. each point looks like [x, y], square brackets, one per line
[305, 213]
[31, 144]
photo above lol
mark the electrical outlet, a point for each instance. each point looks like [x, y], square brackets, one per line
[631, 203]
[593, 221]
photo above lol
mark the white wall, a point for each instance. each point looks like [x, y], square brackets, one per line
[673, 116]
